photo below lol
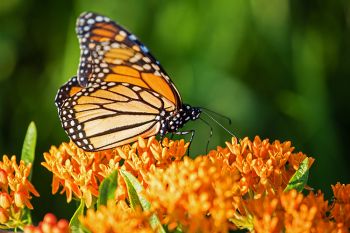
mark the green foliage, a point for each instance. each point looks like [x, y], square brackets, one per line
[28, 156]
[28, 148]
[74, 223]
[27, 217]
[107, 188]
[134, 189]
[137, 200]
[299, 179]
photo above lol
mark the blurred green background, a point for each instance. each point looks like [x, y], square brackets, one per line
[280, 69]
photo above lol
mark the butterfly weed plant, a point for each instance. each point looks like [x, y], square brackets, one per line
[153, 186]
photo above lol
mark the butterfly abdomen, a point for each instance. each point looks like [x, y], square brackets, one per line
[178, 118]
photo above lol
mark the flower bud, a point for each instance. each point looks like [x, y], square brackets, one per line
[5, 200]
[20, 199]
[3, 177]
[4, 216]
[50, 218]
[63, 225]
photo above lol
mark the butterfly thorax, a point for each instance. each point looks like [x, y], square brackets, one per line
[174, 120]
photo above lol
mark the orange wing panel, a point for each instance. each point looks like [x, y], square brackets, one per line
[74, 90]
[120, 53]
[92, 100]
[103, 33]
[125, 79]
[126, 70]
[109, 95]
[159, 85]
[107, 26]
[126, 91]
[101, 143]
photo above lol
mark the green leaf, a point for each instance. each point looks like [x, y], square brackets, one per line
[27, 218]
[138, 200]
[178, 229]
[300, 177]
[243, 222]
[134, 191]
[28, 149]
[74, 223]
[107, 188]
[28, 155]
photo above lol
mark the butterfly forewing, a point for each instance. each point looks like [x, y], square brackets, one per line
[111, 53]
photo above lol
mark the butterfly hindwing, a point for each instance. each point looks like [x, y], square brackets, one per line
[107, 115]
[67, 90]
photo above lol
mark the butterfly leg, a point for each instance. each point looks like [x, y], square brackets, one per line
[192, 132]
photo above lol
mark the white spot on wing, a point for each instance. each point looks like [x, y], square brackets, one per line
[132, 37]
[99, 18]
[135, 88]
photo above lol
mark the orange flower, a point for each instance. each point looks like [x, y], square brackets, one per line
[197, 194]
[5, 200]
[115, 218]
[73, 169]
[80, 173]
[49, 224]
[237, 186]
[263, 215]
[304, 214]
[264, 166]
[146, 155]
[341, 208]
[289, 212]
[4, 216]
[15, 190]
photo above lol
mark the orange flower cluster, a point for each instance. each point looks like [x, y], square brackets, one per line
[197, 195]
[289, 212]
[80, 172]
[116, 218]
[237, 186]
[264, 167]
[341, 206]
[15, 190]
[49, 225]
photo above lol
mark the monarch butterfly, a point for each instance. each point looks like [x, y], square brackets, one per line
[120, 91]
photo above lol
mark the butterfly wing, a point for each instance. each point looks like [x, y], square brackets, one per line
[110, 53]
[120, 92]
[68, 89]
[109, 114]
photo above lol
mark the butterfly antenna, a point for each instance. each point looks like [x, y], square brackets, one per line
[216, 113]
[211, 132]
[213, 119]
